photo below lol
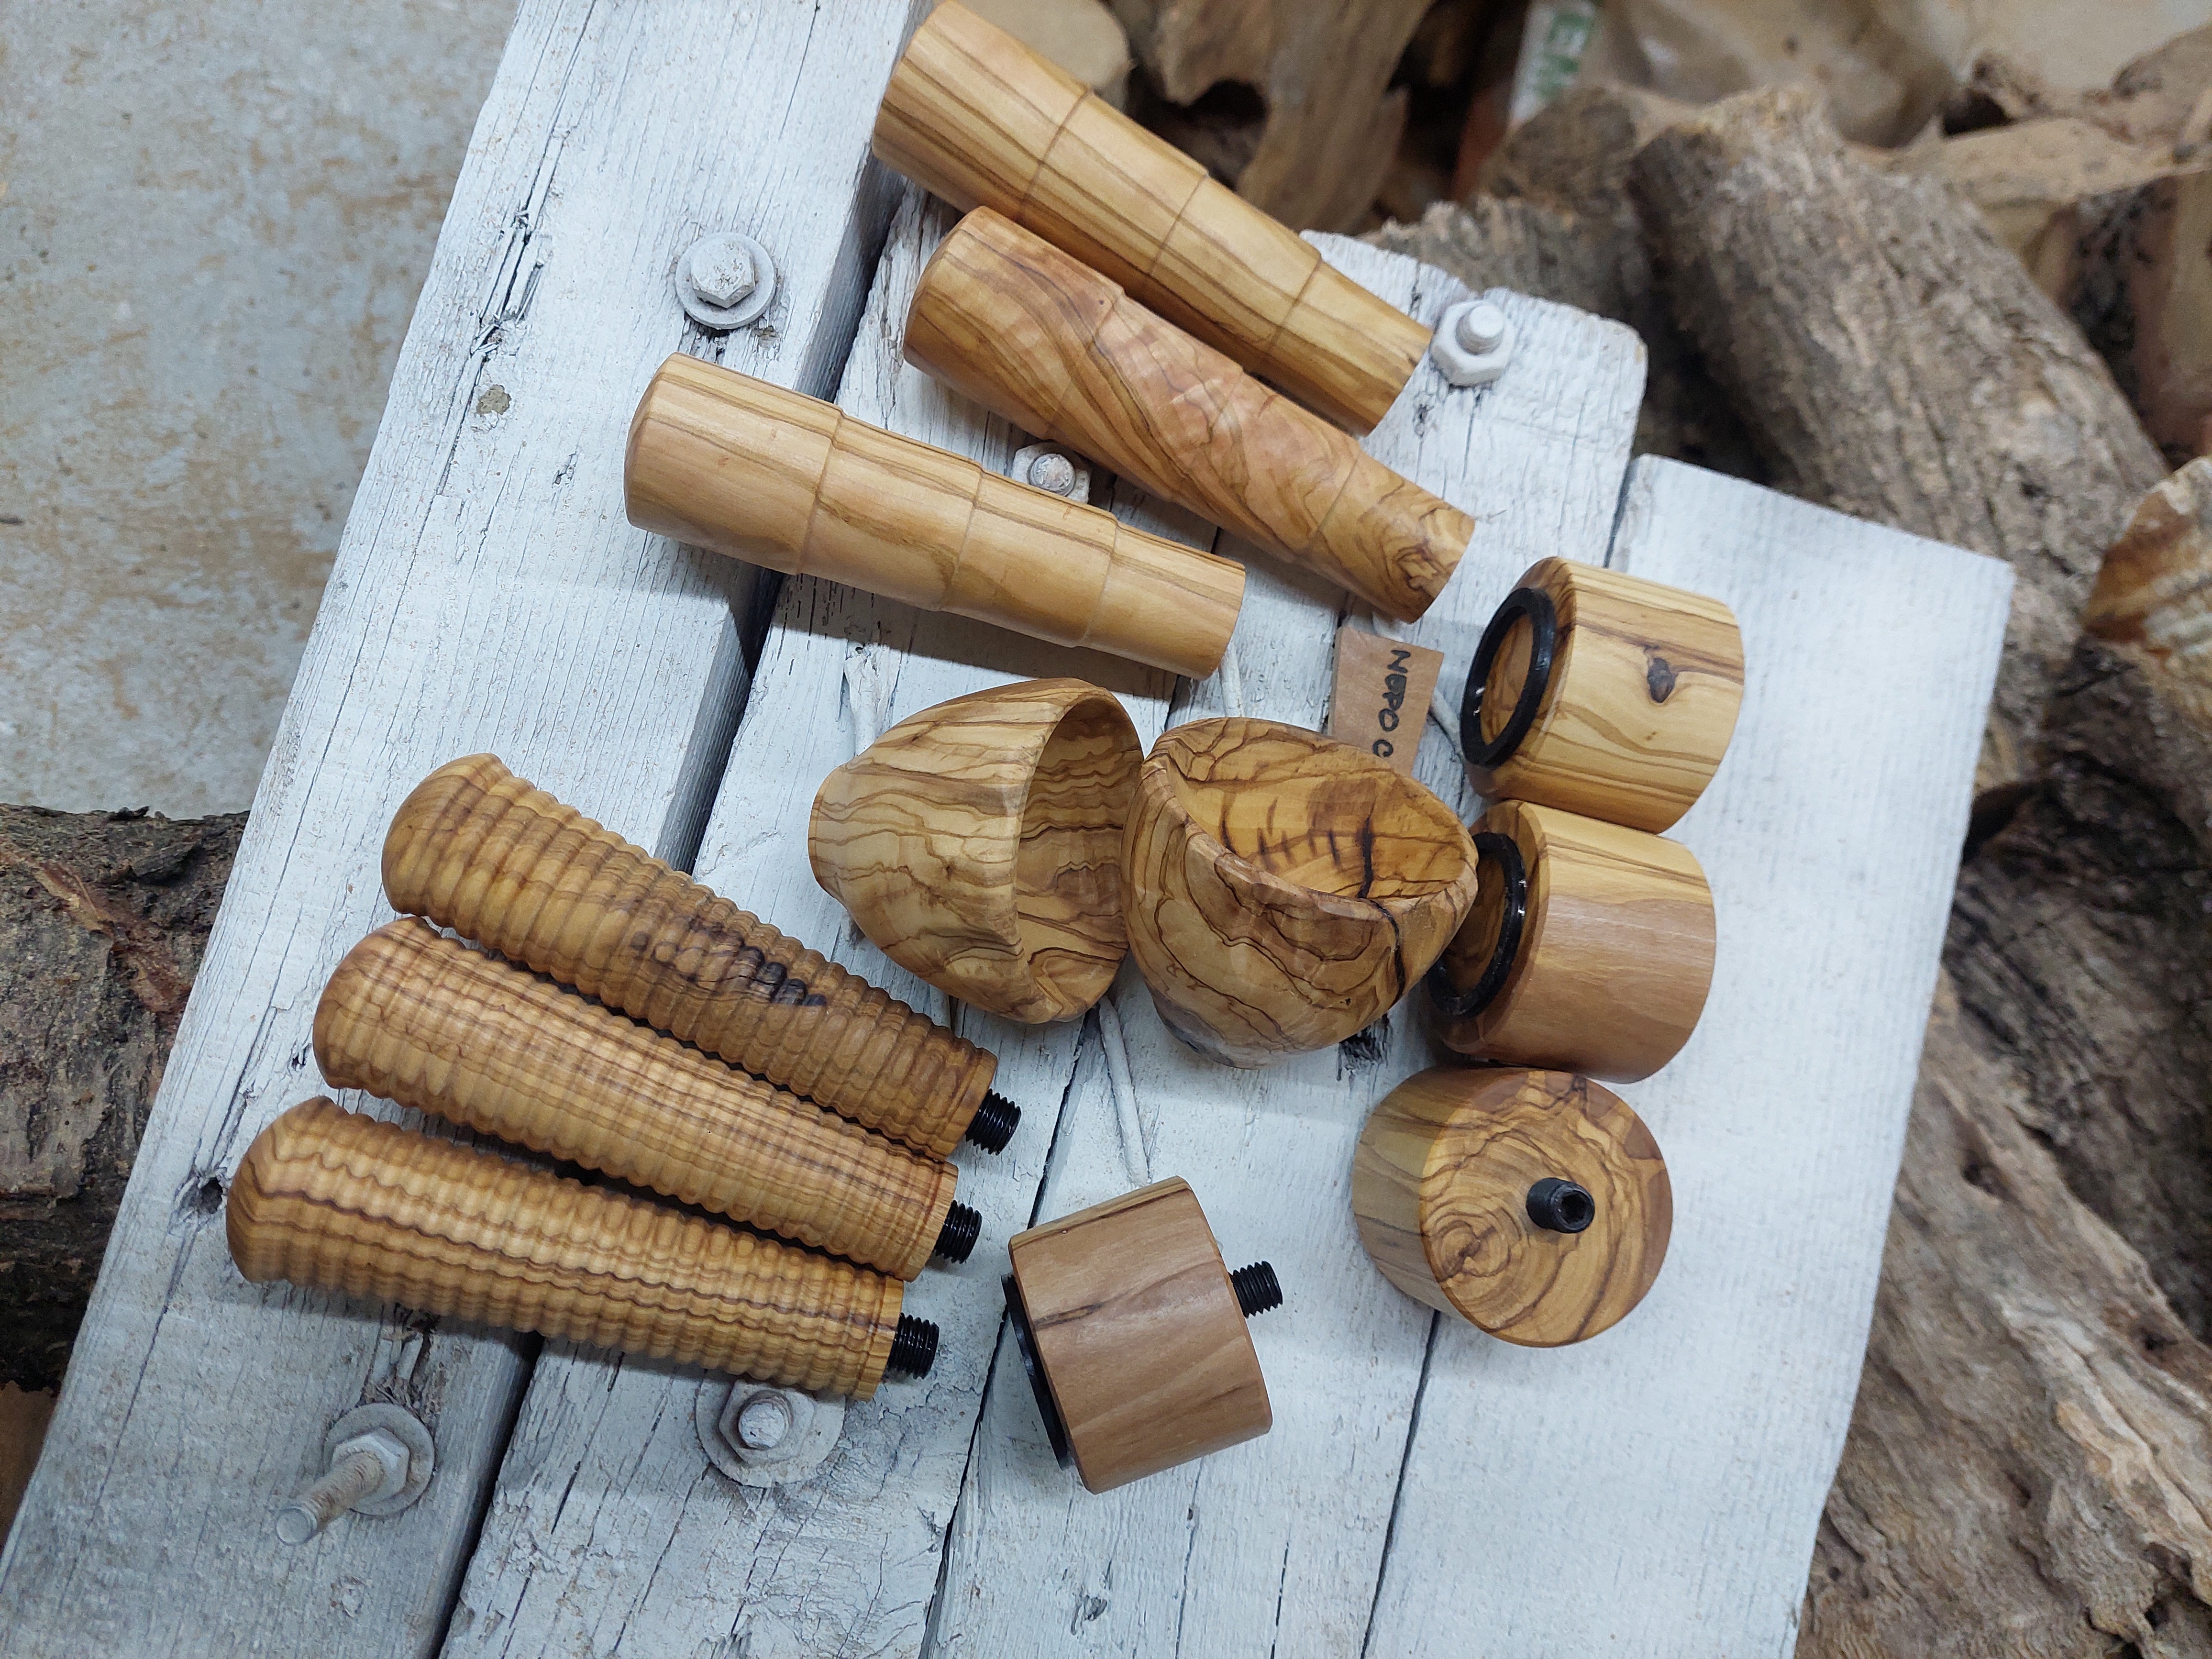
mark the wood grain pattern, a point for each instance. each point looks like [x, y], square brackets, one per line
[1285, 889]
[1440, 1186]
[978, 845]
[424, 1021]
[1046, 341]
[727, 462]
[481, 851]
[1615, 956]
[336, 1202]
[983, 121]
[1138, 1334]
[1644, 686]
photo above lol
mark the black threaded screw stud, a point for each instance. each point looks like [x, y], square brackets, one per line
[1560, 1206]
[957, 1238]
[994, 1124]
[1257, 1289]
[914, 1349]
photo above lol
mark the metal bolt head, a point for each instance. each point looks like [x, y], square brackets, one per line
[1481, 327]
[721, 268]
[763, 1421]
[726, 281]
[1054, 471]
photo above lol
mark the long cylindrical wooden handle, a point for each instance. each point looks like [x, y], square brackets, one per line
[479, 850]
[1063, 352]
[339, 1202]
[983, 121]
[422, 1019]
[731, 463]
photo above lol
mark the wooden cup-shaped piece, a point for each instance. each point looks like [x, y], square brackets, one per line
[1063, 352]
[749, 469]
[1465, 1180]
[1603, 694]
[983, 121]
[1133, 1337]
[1589, 947]
[1284, 889]
[339, 1202]
[978, 844]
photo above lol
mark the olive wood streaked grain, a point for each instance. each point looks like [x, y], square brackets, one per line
[422, 1019]
[982, 120]
[1284, 889]
[481, 851]
[336, 1202]
[978, 843]
[1440, 1184]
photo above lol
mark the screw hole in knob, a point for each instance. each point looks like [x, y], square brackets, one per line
[1257, 1289]
[1560, 1206]
[956, 1239]
[914, 1348]
[994, 1122]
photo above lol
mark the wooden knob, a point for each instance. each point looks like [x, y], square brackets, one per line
[1603, 694]
[1283, 889]
[477, 849]
[983, 121]
[725, 461]
[339, 1202]
[1534, 1205]
[1589, 947]
[1063, 352]
[1133, 1333]
[422, 1019]
[978, 844]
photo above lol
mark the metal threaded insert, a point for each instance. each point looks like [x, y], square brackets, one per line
[914, 1348]
[1257, 1289]
[994, 1122]
[956, 1239]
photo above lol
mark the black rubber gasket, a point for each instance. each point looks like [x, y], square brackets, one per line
[1535, 604]
[1056, 1427]
[1454, 1004]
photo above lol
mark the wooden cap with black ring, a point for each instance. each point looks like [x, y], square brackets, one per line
[1534, 1205]
[1131, 1330]
[1589, 947]
[1603, 694]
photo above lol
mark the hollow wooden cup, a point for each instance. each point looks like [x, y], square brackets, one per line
[978, 844]
[1283, 889]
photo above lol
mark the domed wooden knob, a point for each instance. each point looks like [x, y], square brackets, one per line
[1603, 694]
[1131, 1331]
[1535, 1204]
[1284, 889]
[1589, 947]
[978, 844]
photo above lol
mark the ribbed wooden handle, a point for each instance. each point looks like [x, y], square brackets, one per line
[984, 121]
[422, 1019]
[749, 469]
[1063, 352]
[477, 849]
[339, 1202]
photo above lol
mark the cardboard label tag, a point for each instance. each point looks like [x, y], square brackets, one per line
[1381, 702]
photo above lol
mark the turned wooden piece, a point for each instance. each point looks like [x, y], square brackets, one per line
[978, 844]
[1603, 694]
[983, 121]
[422, 1020]
[1061, 351]
[1131, 1331]
[1534, 1205]
[339, 1202]
[1283, 889]
[1589, 947]
[477, 849]
[725, 461]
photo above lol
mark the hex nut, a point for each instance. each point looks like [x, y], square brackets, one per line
[1473, 343]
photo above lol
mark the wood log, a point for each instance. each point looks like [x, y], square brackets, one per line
[2134, 270]
[103, 917]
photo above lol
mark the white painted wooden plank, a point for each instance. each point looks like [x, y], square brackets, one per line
[1274, 1546]
[487, 594]
[1656, 1491]
[608, 1532]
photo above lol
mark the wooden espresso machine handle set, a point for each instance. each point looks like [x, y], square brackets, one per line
[764, 1137]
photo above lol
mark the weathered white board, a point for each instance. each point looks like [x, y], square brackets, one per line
[1655, 1491]
[487, 595]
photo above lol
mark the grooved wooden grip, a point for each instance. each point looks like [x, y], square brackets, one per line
[340, 1202]
[422, 1019]
[731, 463]
[1063, 352]
[477, 849]
[983, 121]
